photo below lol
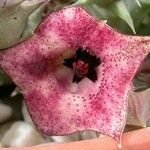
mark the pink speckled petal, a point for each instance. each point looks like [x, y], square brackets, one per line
[58, 106]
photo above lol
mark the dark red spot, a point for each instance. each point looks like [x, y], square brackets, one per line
[80, 68]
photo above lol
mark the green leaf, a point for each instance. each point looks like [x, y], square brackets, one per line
[138, 2]
[120, 9]
[142, 78]
[9, 3]
[145, 1]
[139, 108]
[98, 12]
[18, 22]
[4, 80]
[91, 2]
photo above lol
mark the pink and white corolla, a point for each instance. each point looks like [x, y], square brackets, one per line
[75, 73]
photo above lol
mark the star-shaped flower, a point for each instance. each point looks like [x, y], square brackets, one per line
[59, 106]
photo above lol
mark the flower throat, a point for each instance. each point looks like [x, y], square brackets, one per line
[83, 65]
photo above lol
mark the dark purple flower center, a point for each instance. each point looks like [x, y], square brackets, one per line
[83, 65]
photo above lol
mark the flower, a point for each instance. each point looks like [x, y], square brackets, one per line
[60, 104]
